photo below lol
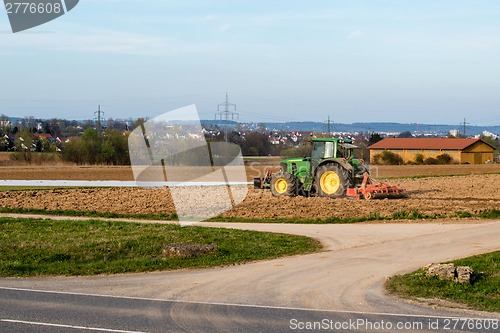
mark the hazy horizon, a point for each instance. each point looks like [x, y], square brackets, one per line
[428, 62]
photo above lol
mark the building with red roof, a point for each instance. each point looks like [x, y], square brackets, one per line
[472, 151]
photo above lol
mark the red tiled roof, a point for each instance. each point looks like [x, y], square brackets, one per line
[43, 135]
[424, 143]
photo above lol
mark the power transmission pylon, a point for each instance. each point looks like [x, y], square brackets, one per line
[97, 118]
[465, 126]
[329, 126]
[226, 113]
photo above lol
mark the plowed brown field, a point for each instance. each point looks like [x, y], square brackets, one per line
[475, 192]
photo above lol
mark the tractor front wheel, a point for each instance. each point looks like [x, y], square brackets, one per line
[283, 183]
[331, 181]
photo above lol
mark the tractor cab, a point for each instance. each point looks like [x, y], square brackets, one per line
[326, 148]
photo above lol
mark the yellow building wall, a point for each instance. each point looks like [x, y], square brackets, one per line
[408, 155]
[475, 155]
[476, 158]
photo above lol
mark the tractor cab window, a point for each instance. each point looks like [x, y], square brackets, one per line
[318, 150]
[346, 150]
[328, 149]
[343, 152]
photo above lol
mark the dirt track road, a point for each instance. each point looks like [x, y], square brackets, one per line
[349, 275]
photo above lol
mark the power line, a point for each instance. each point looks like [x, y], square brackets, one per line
[226, 113]
[97, 117]
[271, 117]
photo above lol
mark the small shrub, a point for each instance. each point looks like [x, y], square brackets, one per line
[387, 158]
[419, 159]
[29, 157]
[430, 161]
[253, 151]
[444, 159]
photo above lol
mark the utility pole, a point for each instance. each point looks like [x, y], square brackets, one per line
[226, 113]
[97, 117]
[465, 125]
[329, 126]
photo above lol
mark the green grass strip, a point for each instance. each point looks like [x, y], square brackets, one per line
[439, 176]
[330, 220]
[490, 214]
[482, 294]
[37, 247]
[398, 215]
[60, 212]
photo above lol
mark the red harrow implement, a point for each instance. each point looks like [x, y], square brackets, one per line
[371, 188]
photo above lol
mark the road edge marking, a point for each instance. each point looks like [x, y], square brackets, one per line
[240, 305]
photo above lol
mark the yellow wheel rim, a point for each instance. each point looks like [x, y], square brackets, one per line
[329, 182]
[281, 185]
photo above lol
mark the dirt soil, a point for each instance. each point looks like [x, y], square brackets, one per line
[254, 168]
[435, 196]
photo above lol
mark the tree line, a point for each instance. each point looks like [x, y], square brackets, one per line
[91, 148]
[110, 147]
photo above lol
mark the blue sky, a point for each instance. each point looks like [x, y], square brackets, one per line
[426, 61]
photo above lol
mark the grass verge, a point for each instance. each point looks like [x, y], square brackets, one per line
[60, 212]
[36, 247]
[438, 176]
[483, 294]
[398, 215]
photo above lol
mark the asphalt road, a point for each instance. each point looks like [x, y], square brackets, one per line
[343, 282]
[37, 311]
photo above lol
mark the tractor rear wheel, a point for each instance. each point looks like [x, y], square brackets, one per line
[283, 183]
[331, 181]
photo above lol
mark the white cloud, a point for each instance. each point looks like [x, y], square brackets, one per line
[202, 19]
[479, 43]
[223, 27]
[355, 34]
[117, 42]
[279, 18]
[103, 41]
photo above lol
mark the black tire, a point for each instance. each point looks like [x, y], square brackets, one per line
[359, 173]
[283, 183]
[362, 168]
[331, 181]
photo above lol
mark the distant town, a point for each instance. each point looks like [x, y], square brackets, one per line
[108, 137]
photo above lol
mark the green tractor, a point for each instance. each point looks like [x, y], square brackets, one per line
[328, 172]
